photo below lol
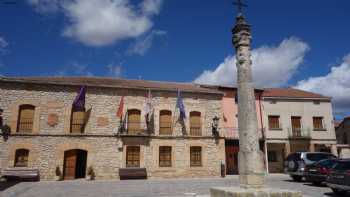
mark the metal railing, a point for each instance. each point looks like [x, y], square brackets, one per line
[233, 132]
[136, 128]
[299, 133]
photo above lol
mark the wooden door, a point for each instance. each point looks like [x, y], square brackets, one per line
[70, 162]
[296, 125]
[231, 160]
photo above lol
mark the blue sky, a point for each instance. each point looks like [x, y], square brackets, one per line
[296, 43]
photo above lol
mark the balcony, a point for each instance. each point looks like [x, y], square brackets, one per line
[299, 133]
[233, 132]
[136, 129]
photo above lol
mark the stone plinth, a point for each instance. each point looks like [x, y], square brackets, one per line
[241, 192]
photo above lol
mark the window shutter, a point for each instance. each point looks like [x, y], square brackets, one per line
[165, 127]
[195, 156]
[195, 123]
[165, 156]
[133, 156]
[78, 122]
[134, 121]
[26, 119]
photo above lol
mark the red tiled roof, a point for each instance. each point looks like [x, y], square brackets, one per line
[112, 82]
[291, 93]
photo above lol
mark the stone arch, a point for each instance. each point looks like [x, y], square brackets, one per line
[15, 108]
[32, 156]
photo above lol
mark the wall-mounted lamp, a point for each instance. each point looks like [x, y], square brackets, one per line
[215, 126]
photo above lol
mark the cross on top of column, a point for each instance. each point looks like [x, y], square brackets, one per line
[240, 5]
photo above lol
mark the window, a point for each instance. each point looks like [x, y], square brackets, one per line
[165, 156]
[274, 122]
[77, 121]
[318, 123]
[134, 121]
[25, 119]
[195, 156]
[296, 126]
[165, 122]
[272, 156]
[21, 158]
[195, 123]
[319, 156]
[133, 157]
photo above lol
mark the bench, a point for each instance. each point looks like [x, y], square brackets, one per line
[132, 173]
[21, 174]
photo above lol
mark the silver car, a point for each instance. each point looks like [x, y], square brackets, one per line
[296, 163]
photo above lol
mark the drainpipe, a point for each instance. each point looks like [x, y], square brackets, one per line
[264, 137]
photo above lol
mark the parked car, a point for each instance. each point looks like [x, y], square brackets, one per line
[295, 163]
[339, 177]
[318, 172]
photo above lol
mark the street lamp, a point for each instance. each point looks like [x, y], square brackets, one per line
[215, 126]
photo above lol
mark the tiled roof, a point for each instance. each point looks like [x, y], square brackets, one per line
[291, 93]
[112, 82]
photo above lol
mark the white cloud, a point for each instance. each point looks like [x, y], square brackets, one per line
[115, 70]
[272, 65]
[104, 22]
[45, 6]
[142, 45]
[335, 84]
[3, 43]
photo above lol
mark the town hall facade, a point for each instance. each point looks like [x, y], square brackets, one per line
[190, 130]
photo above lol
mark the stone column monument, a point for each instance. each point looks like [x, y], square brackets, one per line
[250, 158]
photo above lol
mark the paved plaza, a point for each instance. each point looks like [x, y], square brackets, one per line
[146, 188]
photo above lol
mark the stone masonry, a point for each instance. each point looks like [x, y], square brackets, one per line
[106, 149]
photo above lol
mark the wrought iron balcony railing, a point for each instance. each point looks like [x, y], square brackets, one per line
[299, 133]
[233, 132]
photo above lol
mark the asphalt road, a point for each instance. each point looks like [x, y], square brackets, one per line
[146, 188]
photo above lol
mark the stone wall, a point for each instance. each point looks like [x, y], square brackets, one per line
[106, 150]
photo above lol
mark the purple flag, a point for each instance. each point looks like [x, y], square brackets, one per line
[180, 105]
[79, 101]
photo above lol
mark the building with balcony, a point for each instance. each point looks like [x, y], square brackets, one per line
[230, 125]
[42, 129]
[296, 120]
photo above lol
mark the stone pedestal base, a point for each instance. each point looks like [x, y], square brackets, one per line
[241, 192]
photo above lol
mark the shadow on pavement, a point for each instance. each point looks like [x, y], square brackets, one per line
[313, 185]
[7, 184]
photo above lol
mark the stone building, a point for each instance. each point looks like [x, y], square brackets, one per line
[45, 133]
[289, 120]
[342, 131]
[296, 120]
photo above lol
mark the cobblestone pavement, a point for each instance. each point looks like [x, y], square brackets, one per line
[146, 188]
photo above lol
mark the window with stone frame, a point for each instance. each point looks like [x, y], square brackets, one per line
[132, 156]
[165, 156]
[274, 122]
[195, 123]
[272, 156]
[318, 123]
[134, 121]
[21, 158]
[195, 156]
[165, 122]
[25, 119]
[77, 121]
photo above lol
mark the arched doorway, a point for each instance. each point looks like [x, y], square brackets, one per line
[74, 166]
